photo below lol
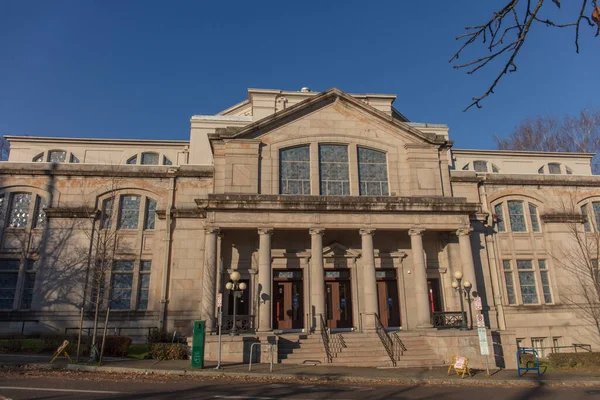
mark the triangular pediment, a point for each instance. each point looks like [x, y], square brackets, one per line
[339, 250]
[326, 99]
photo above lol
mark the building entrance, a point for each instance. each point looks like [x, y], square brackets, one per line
[338, 299]
[287, 307]
[387, 298]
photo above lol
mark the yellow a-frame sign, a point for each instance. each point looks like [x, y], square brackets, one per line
[460, 366]
[61, 349]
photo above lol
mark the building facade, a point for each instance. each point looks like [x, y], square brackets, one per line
[334, 208]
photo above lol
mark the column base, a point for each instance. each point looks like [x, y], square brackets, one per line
[264, 330]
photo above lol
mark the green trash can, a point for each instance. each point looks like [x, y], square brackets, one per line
[198, 340]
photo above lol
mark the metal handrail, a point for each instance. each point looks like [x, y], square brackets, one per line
[399, 347]
[325, 338]
[385, 338]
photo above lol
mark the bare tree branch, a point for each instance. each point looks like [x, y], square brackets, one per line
[521, 16]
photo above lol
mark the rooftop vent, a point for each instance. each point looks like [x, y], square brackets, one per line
[305, 90]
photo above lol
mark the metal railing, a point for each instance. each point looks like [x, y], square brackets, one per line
[448, 320]
[385, 338]
[243, 323]
[325, 338]
[336, 344]
[573, 348]
[114, 330]
[399, 347]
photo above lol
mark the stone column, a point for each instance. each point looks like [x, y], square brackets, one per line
[466, 256]
[265, 281]
[209, 278]
[317, 277]
[420, 278]
[369, 280]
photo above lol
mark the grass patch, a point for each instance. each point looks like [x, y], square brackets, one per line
[33, 345]
[139, 351]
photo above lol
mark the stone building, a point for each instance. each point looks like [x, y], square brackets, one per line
[335, 210]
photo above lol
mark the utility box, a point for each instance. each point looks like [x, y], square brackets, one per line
[198, 340]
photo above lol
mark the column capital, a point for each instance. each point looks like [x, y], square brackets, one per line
[366, 231]
[212, 229]
[416, 231]
[265, 231]
[464, 231]
[316, 231]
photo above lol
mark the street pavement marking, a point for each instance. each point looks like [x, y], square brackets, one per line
[58, 390]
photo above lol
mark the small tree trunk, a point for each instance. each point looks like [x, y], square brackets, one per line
[104, 334]
[79, 335]
[96, 312]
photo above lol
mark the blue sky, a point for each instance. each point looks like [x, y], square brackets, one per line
[140, 69]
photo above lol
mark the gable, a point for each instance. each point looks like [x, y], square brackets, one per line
[340, 112]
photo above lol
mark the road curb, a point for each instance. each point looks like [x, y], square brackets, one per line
[285, 377]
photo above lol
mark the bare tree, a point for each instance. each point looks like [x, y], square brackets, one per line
[4, 149]
[578, 257]
[505, 33]
[580, 133]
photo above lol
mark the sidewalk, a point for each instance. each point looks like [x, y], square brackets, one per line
[412, 376]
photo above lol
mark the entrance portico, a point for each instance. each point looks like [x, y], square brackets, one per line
[336, 283]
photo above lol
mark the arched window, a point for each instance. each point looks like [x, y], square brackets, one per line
[132, 160]
[591, 213]
[522, 215]
[372, 172]
[481, 166]
[294, 170]
[56, 156]
[166, 161]
[555, 169]
[39, 158]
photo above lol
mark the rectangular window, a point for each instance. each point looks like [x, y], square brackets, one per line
[533, 215]
[520, 343]
[538, 345]
[516, 217]
[527, 282]
[9, 274]
[129, 212]
[107, 210]
[556, 344]
[586, 218]
[19, 210]
[149, 159]
[554, 168]
[294, 171]
[480, 166]
[121, 285]
[499, 218]
[144, 285]
[510, 284]
[150, 216]
[545, 281]
[57, 156]
[27, 297]
[40, 212]
[333, 170]
[372, 172]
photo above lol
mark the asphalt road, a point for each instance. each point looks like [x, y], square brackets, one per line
[124, 388]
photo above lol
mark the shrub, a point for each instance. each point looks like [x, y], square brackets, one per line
[527, 359]
[52, 342]
[11, 345]
[575, 360]
[168, 351]
[115, 346]
[157, 336]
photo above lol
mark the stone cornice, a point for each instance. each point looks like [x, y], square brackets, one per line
[101, 170]
[563, 218]
[542, 180]
[350, 204]
[97, 141]
[72, 212]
